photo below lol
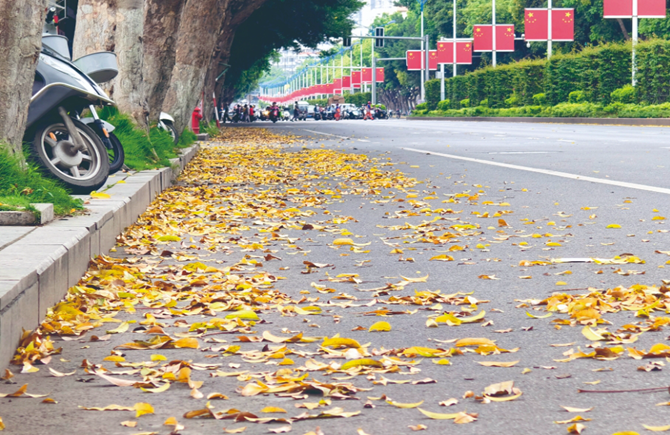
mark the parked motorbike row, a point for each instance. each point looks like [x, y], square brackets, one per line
[80, 152]
[347, 112]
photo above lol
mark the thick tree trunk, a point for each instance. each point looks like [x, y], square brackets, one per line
[118, 26]
[201, 22]
[161, 24]
[129, 92]
[96, 26]
[20, 42]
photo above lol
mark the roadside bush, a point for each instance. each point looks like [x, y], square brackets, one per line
[421, 106]
[465, 102]
[432, 93]
[625, 95]
[576, 97]
[484, 103]
[443, 105]
[540, 99]
[512, 101]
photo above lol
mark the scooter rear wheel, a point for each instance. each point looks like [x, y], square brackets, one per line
[116, 155]
[83, 170]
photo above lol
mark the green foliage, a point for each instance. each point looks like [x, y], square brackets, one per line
[421, 106]
[540, 99]
[210, 128]
[625, 95]
[576, 97]
[432, 93]
[358, 99]
[465, 102]
[484, 102]
[443, 105]
[142, 151]
[186, 139]
[653, 74]
[20, 186]
[512, 101]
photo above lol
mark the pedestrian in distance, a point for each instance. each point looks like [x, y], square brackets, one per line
[245, 114]
[368, 112]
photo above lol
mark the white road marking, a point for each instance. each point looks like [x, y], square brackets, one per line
[326, 134]
[522, 152]
[565, 140]
[549, 172]
[363, 140]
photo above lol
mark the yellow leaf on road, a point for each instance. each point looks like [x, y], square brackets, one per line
[497, 363]
[657, 428]
[142, 408]
[100, 195]
[404, 405]
[380, 326]
[343, 242]
[438, 416]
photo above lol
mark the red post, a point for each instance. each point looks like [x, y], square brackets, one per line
[195, 120]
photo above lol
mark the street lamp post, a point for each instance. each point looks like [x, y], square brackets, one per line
[423, 89]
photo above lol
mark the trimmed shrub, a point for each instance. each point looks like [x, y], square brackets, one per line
[576, 97]
[625, 95]
[540, 99]
[421, 106]
[465, 102]
[443, 105]
[432, 93]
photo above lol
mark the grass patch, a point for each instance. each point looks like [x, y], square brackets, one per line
[142, 151]
[19, 187]
[186, 139]
[210, 128]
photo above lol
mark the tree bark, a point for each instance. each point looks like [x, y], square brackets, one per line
[201, 22]
[20, 43]
[95, 29]
[128, 92]
[623, 29]
[161, 24]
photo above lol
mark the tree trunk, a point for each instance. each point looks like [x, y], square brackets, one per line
[623, 29]
[20, 43]
[201, 22]
[96, 26]
[128, 91]
[161, 24]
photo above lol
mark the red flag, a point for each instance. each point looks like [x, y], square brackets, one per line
[617, 8]
[366, 76]
[563, 24]
[346, 83]
[337, 86]
[464, 52]
[414, 60]
[445, 52]
[432, 60]
[537, 24]
[651, 8]
[505, 37]
[483, 37]
[380, 75]
[356, 79]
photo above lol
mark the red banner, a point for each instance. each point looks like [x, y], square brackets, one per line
[483, 36]
[414, 60]
[562, 24]
[337, 86]
[380, 75]
[356, 79]
[651, 8]
[445, 52]
[366, 76]
[464, 52]
[346, 83]
[618, 8]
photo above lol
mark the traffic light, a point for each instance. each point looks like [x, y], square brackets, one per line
[346, 41]
[379, 31]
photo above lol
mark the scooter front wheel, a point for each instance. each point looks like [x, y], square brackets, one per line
[82, 170]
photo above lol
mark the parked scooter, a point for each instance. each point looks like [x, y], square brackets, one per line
[274, 115]
[166, 122]
[64, 146]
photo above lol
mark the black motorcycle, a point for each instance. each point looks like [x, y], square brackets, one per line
[62, 145]
[274, 115]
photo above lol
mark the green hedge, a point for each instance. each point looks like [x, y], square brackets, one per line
[596, 71]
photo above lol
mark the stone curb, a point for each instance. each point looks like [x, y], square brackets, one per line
[639, 122]
[39, 264]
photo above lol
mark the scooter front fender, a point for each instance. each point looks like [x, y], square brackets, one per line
[109, 127]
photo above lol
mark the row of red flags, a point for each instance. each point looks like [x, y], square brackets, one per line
[345, 83]
[537, 28]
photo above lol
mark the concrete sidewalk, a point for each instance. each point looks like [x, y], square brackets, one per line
[39, 264]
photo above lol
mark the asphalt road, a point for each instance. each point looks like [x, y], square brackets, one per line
[627, 169]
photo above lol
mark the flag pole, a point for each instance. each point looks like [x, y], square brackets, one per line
[549, 35]
[633, 65]
[493, 13]
[454, 46]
